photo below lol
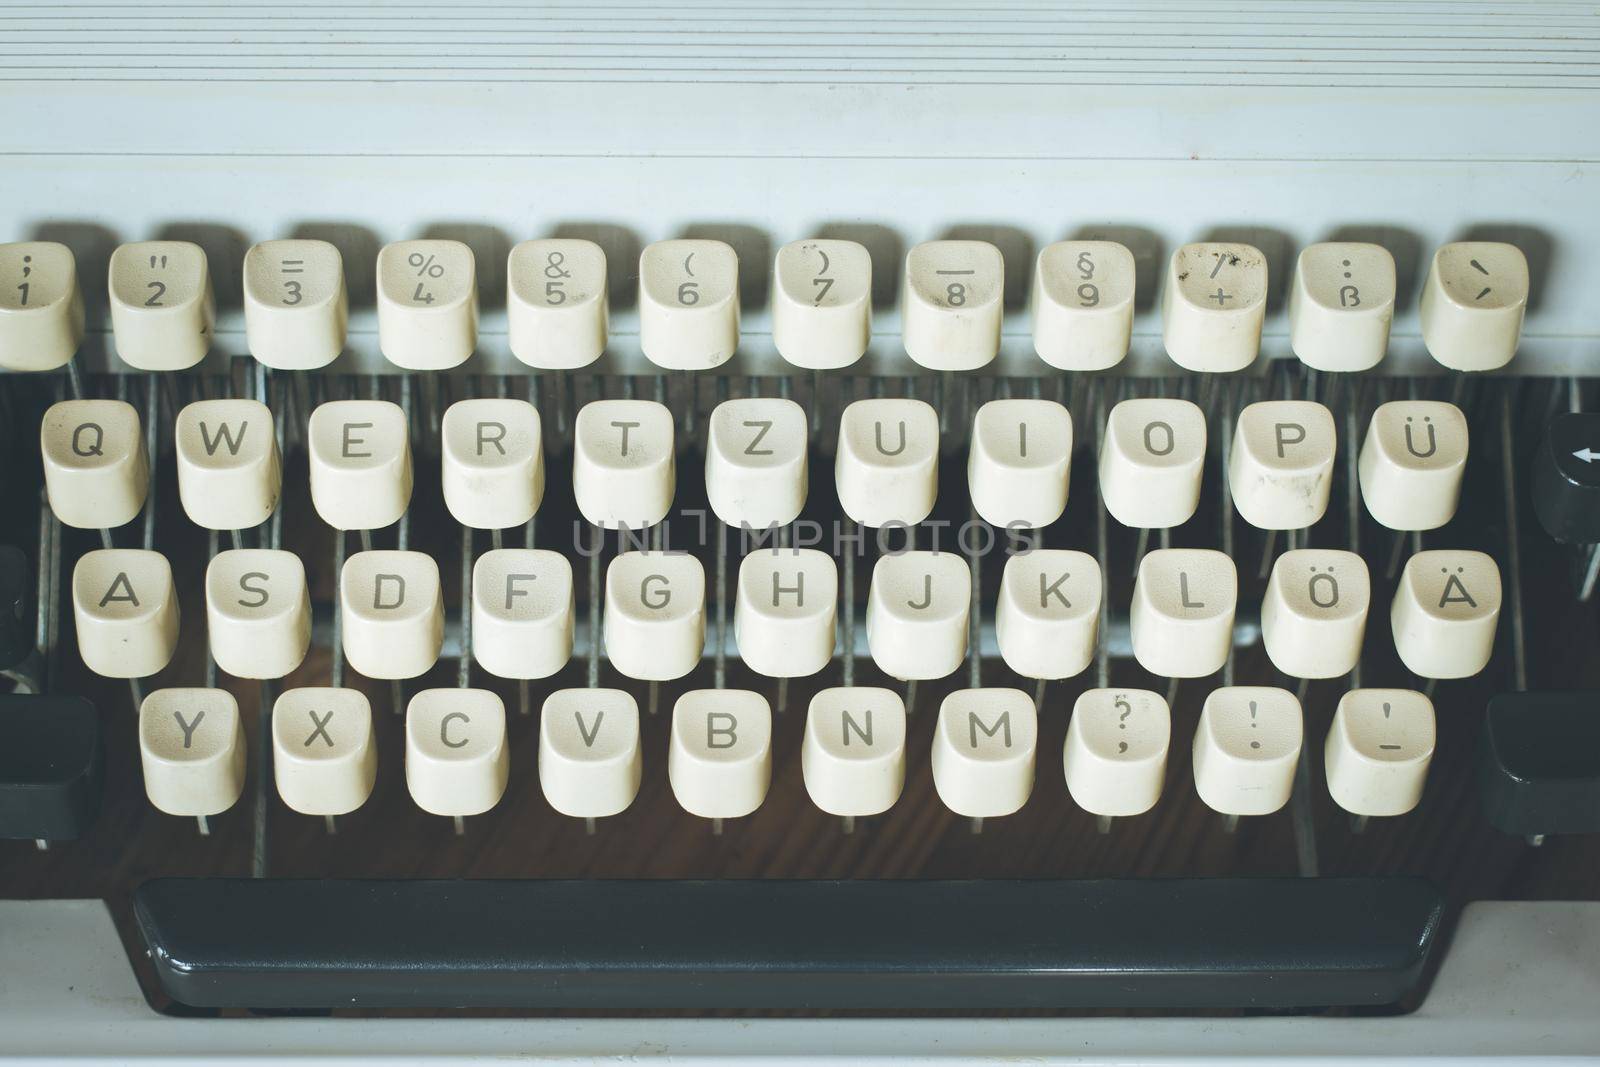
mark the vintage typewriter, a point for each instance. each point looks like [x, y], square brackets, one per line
[894, 530]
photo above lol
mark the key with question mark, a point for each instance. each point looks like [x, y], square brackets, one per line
[1115, 755]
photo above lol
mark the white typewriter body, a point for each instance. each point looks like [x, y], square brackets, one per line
[1159, 123]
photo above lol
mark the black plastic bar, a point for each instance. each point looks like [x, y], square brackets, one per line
[877, 945]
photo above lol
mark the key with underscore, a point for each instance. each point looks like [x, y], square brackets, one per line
[952, 304]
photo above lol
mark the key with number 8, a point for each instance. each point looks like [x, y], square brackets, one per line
[951, 313]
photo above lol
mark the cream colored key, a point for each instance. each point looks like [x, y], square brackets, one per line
[522, 612]
[1019, 461]
[163, 312]
[756, 473]
[1378, 751]
[229, 473]
[1152, 461]
[125, 609]
[41, 306]
[1341, 304]
[853, 757]
[296, 309]
[1314, 614]
[655, 618]
[1412, 463]
[1213, 306]
[493, 455]
[688, 304]
[720, 758]
[622, 467]
[360, 463]
[1280, 470]
[192, 749]
[457, 761]
[952, 303]
[324, 759]
[783, 611]
[822, 303]
[258, 612]
[1115, 755]
[1444, 613]
[887, 468]
[1246, 749]
[1472, 304]
[985, 745]
[556, 303]
[427, 304]
[1083, 304]
[392, 613]
[1047, 615]
[1182, 616]
[589, 755]
[917, 614]
[96, 471]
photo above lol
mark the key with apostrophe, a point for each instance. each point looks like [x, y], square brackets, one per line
[457, 760]
[1473, 303]
[493, 462]
[688, 304]
[1152, 462]
[1445, 611]
[1246, 749]
[719, 761]
[952, 303]
[258, 612]
[125, 610]
[1019, 461]
[1378, 751]
[1183, 608]
[192, 748]
[296, 309]
[392, 611]
[427, 304]
[887, 468]
[822, 303]
[556, 303]
[1280, 470]
[589, 756]
[1213, 305]
[162, 308]
[985, 746]
[1115, 755]
[1047, 614]
[1083, 304]
[917, 614]
[96, 471]
[1341, 305]
[229, 471]
[324, 758]
[41, 306]
[1412, 462]
[1314, 614]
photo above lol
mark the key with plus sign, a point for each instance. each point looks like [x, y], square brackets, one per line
[1213, 306]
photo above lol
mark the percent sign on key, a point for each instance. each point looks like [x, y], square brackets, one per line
[426, 268]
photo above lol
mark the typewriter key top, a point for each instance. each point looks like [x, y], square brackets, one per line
[917, 610]
[1019, 461]
[126, 612]
[853, 757]
[1212, 306]
[1246, 749]
[229, 472]
[556, 303]
[360, 463]
[756, 473]
[720, 758]
[1314, 614]
[655, 614]
[192, 747]
[1378, 751]
[493, 460]
[1047, 614]
[1444, 614]
[784, 611]
[984, 748]
[522, 612]
[1566, 478]
[887, 469]
[822, 303]
[1539, 763]
[258, 612]
[688, 304]
[1472, 304]
[952, 301]
[41, 306]
[96, 472]
[1412, 462]
[427, 304]
[162, 309]
[589, 755]
[1082, 307]
[324, 759]
[1183, 607]
[1115, 755]
[296, 310]
[1341, 304]
[622, 466]
[392, 613]
[1280, 469]
[457, 762]
[1152, 462]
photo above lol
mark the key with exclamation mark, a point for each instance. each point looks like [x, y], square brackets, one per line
[1246, 749]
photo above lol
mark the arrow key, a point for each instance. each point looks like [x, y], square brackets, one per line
[1566, 478]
